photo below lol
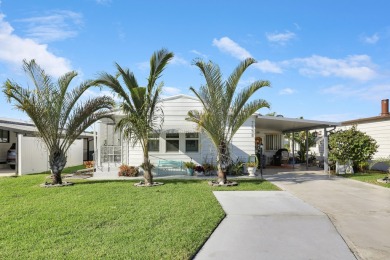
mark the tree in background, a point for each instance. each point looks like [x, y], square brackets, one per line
[56, 113]
[300, 139]
[143, 115]
[351, 144]
[224, 110]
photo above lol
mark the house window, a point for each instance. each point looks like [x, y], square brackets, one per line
[4, 136]
[154, 142]
[192, 142]
[172, 140]
[273, 142]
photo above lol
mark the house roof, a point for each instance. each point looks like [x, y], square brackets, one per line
[366, 120]
[288, 125]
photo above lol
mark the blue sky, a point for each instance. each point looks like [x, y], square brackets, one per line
[326, 60]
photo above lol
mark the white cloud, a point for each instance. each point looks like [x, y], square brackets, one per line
[357, 67]
[177, 60]
[143, 65]
[268, 66]
[280, 38]
[373, 92]
[13, 49]
[170, 91]
[103, 2]
[371, 39]
[59, 25]
[90, 93]
[225, 44]
[287, 91]
[199, 54]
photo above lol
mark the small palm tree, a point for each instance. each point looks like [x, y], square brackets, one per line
[56, 113]
[224, 110]
[140, 105]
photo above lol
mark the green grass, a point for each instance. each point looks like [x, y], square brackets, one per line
[370, 177]
[108, 219]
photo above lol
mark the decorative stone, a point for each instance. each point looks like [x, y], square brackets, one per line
[142, 184]
[49, 185]
[221, 184]
[384, 180]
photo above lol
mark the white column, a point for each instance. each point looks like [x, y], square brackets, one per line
[293, 149]
[326, 151]
[307, 149]
[18, 163]
[97, 147]
[94, 147]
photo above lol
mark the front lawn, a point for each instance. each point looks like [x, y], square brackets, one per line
[369, 177]
[108, 219]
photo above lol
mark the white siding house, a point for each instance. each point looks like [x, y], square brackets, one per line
[180, 140]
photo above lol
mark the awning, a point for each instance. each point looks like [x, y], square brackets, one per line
[26, 128]
[288, 125]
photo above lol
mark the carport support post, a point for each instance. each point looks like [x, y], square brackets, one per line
[293, 149]
[326, 151]
[18, 162]
[307, 149]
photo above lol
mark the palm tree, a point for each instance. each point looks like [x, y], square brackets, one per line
[56, 113]
[140, 105]
[224, 110]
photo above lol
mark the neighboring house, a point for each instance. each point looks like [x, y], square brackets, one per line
[181, 140]
[31, 153]
[378, 127]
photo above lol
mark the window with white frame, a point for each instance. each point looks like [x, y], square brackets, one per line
[4, 136]
[172, 142]
[192, 142]
[273, 142]
[154, 142]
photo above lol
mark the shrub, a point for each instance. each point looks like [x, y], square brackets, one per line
[129, 171]
[236, 168]
[351, 144]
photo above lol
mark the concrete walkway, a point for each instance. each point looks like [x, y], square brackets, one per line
[272, 225]
[359, 211]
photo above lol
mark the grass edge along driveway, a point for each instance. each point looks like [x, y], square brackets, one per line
[369, 177]
[108, 219]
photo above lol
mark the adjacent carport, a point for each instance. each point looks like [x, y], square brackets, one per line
[292, 125]
[31, 153]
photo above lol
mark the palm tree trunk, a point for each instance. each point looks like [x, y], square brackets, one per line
[221, 174]
[148, 177]
[57, 162]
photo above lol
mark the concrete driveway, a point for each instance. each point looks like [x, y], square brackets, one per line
[359, 211]
[272, 225]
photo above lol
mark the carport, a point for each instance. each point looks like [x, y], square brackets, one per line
[293, 125]
[31, 153]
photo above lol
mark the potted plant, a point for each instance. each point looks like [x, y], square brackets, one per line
[190, 167]
[252, 166]
[199, 170]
